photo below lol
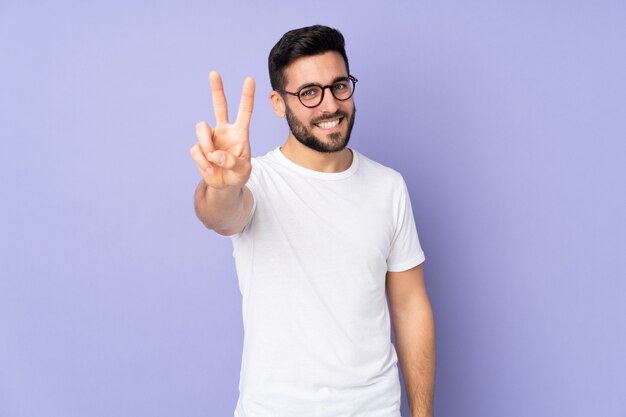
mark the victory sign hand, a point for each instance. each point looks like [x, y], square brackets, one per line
[222, 154]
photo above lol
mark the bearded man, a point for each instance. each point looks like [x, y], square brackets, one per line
[322, 237]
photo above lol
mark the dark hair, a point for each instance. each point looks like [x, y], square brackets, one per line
[307, 41]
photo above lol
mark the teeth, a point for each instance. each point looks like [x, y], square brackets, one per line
[329, 125]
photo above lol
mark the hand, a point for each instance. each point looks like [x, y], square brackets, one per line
[223, 154]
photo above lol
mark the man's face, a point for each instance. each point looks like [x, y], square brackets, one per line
[327, 127]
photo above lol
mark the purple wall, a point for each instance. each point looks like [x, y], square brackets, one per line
[507, 121]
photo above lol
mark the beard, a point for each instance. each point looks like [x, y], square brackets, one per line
[337, 140]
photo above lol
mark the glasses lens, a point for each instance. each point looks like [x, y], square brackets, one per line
[342, 90]
[311, 96]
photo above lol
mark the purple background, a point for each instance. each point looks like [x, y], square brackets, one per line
[507, 119]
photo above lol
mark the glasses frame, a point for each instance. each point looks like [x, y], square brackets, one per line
[323, 87]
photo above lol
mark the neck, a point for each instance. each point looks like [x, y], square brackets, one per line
[317, 161]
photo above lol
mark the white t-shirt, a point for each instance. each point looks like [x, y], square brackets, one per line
[311, 264]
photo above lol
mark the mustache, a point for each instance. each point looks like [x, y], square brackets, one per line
[325, 117]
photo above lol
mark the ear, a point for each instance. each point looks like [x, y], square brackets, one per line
[278, 104]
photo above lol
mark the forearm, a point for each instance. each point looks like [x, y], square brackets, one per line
[221, 210]
[415, 342]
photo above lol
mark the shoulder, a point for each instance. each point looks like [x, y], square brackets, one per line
[263, 160]
[266, 172]
[263, 164]
[377, 172]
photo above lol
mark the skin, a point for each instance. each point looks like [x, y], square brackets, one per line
[223, 202]
[222, 156]
[322, 69]
[414, 326]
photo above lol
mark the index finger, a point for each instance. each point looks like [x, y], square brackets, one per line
[246, 104]
[219, 99]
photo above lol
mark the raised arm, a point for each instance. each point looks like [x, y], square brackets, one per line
[222, 155]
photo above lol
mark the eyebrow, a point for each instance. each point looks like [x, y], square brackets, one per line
[335, 80]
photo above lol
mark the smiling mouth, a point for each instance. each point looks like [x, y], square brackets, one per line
[329, 124]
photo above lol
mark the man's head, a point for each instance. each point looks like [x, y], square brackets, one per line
[297, 43]
[313, 56]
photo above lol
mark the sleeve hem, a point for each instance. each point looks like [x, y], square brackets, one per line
[404, 266]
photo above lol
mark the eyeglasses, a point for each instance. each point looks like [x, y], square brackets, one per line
[312, 95]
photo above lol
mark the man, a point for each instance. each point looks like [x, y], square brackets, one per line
[320, 234]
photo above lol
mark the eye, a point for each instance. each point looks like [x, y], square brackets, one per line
[309, 92]
[340, 86]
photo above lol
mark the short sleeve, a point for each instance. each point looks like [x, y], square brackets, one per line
[406, 251]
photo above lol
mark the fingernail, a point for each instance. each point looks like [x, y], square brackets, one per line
[209, 170]
[219, 159]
